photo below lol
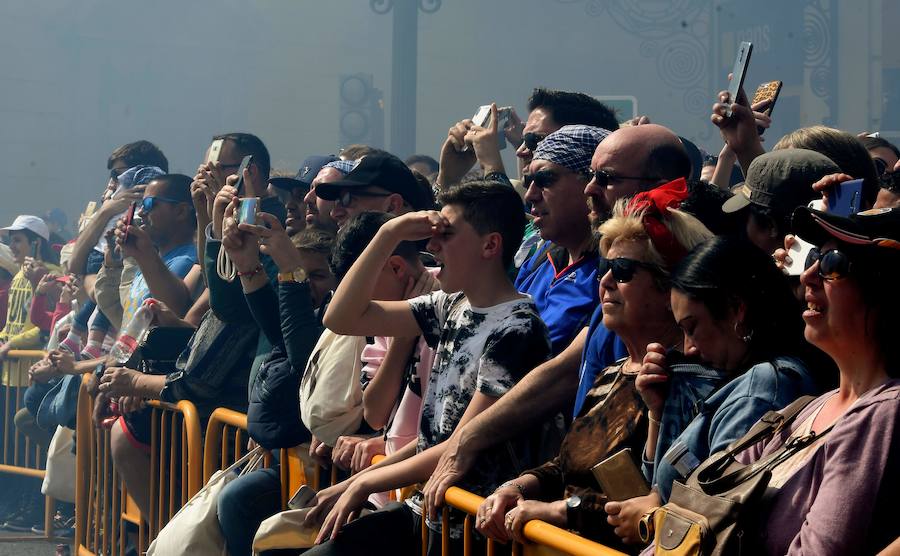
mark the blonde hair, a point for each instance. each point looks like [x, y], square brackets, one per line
[686, 229]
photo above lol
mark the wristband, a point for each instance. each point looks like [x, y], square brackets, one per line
[251, 273]
[656, 422]
[518, 486]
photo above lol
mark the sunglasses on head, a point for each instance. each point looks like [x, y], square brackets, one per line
[622, 269]
[531, 140]
[604, 178]
[345, 199]
[149, 203]
[833, 264]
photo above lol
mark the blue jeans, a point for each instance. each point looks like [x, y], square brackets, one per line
[246, 502]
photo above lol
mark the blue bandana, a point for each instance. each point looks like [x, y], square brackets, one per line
[139, 175]
[571, 146]
[343, 166]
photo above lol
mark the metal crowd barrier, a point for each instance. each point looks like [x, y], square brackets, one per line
[104, 512]
[18, 454]
[547, 539]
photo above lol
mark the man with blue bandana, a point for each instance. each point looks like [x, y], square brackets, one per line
[561, 275]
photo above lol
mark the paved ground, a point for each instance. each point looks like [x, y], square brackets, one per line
[26, 548]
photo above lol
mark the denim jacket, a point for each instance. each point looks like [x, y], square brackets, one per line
[721, 418]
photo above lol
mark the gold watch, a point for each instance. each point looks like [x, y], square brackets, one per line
[297, 275]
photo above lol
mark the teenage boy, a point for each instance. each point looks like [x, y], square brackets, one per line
[486, 337]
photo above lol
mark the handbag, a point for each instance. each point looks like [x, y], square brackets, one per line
[59, 479]
[712, 511]
[60, 404]
[195, 528]
[285, 530]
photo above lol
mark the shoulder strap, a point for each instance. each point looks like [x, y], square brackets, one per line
[769, 424]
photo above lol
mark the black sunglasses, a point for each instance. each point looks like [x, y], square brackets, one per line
[833, 264]
[603, 178]
[345, 199]
[531, 140]
[545, 178]
[623, 269]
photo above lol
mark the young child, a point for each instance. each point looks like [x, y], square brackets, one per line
[486, 336]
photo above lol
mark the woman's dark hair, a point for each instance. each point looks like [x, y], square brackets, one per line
[725, 271]
[875, 271]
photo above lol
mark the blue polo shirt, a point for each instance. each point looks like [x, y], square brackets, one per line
[602, 349]
[565, 295]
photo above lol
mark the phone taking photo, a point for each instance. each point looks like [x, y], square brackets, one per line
[482, 118]
[245, 163]
[738, 73]
[212, 156]
[844, 198]
[767, 92]
[248, 207]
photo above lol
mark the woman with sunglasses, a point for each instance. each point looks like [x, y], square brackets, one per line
[837, 496]
[639, 246]
[739, 317]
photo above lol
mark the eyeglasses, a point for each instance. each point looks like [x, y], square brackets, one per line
[623, 269]
[149, 203]
[345, 199]
[603, 178]
[545, 178]
[531, 140]
[833, 264]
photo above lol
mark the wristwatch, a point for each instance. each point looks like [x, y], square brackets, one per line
[297, 275]
[574, 516]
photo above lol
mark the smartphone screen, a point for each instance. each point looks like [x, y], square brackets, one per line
[844, 198]
[739, 72]
[245, 162]
[301, 498]
[247, 210]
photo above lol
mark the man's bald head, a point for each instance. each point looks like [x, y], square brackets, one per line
[634, 159]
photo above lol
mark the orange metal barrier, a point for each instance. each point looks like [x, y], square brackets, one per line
[547, 539]
[103, 507]
[19, 455]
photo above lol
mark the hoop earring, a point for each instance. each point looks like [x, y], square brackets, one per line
[744, 337]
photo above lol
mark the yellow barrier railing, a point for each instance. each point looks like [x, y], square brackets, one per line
[103, 507]
[19, 455]
[547, 538]
[175, 461]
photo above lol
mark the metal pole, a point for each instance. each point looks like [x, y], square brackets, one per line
[404, 71]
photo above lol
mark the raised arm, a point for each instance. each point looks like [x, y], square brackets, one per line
[352, 311]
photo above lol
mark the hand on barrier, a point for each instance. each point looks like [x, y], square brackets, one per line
[455, 462]
[626, 515]
[118, 381]
[364, 452]
[553, 513]
[130, 404]
[489, 519]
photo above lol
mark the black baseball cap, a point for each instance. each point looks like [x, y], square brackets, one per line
[874, 228]
[781, 180]
[382, 170]
[305, 176]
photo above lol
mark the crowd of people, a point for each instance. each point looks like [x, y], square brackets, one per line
[618, 296]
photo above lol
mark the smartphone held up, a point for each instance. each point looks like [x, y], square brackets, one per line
[738, 73]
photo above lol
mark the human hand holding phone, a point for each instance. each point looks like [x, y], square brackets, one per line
[484, 141]
[454, 161]
[133, 241]
[242, 247]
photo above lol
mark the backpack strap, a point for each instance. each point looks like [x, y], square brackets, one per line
[770, 424]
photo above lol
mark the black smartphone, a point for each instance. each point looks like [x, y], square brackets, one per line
[35, 249]
[739, 73]
[245, 162]
[129, 217]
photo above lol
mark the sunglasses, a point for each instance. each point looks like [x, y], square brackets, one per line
[833, 264]
[623, 269]
[345, 199]
[149, 203]
[531, 140]
[604, 178]
[545, 178]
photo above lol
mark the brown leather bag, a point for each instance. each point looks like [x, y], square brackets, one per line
[712, 512]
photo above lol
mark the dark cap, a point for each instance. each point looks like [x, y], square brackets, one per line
[874, 228]
[382, 170]
[781, 180]
[307, 173]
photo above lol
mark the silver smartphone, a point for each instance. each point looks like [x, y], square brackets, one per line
[247, 209]
[301, 498]
[738, 73]
[212, 155]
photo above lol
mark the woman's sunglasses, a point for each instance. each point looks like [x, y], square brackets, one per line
[622, 269]
[833, 264]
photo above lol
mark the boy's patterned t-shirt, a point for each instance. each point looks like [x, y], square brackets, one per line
[485, 350]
